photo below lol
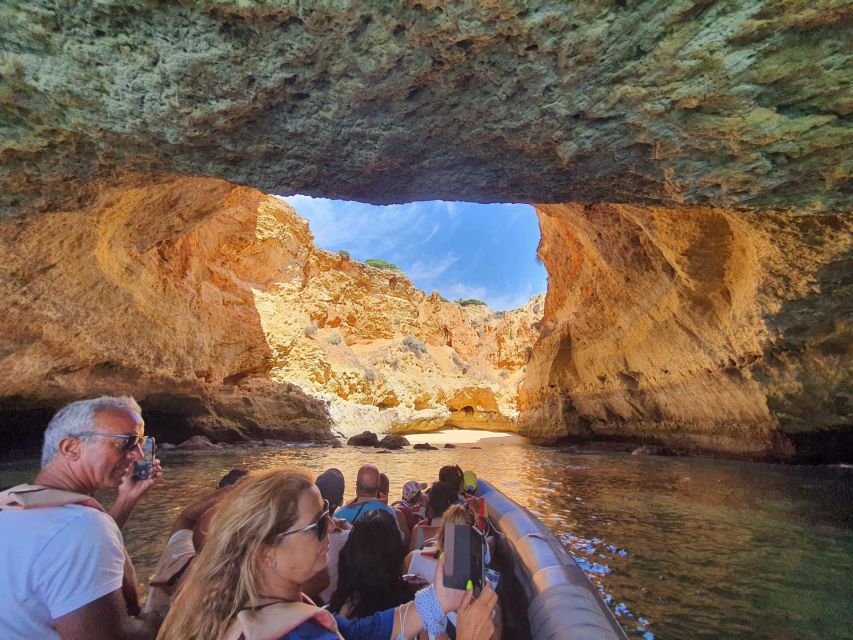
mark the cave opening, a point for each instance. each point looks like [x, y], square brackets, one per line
[470, 253]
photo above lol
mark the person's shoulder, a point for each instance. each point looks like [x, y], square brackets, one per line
[310, 630]
[95, 519]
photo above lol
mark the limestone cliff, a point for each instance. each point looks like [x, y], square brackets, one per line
[207, 301]
[150, 293]
[660, 102]
[699, 328]
[708, 303]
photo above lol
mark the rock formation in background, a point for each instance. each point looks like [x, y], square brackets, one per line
[703, 329]
[208, 301]
[708, 144]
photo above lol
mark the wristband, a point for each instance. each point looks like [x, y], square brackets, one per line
[435, 622]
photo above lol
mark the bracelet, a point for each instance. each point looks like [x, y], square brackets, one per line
[435, 622]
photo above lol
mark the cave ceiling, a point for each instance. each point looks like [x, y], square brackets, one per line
[735, 104]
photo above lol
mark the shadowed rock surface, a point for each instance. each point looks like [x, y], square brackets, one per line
[724, 103]
[695, 155]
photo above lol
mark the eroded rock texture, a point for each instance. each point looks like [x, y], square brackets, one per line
[207, 301]
[150, 293]
[712, 310]
[699, 328]
[661, 102]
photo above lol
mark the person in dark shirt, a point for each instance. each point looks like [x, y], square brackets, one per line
[269, 536]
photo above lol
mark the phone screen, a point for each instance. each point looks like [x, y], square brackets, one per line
[142, 469]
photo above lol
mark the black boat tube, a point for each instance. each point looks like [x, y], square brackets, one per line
[562, 602]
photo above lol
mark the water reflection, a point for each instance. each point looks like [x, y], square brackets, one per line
[694, 548]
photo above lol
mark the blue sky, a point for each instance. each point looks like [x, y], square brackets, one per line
[461, 249]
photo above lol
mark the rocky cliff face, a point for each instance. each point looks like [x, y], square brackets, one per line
[208, 301]
[658, 102]
[698, 272]
[150, 293]
[698, 328]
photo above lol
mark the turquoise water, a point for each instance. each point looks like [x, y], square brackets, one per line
[680, 547]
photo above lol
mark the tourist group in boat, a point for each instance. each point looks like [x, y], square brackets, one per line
[266, 555]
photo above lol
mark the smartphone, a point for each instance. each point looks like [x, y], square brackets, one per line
[463, 557]
[142, 469]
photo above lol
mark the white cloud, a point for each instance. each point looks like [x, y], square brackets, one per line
[512, 299]
[425, 271]
[365, 230]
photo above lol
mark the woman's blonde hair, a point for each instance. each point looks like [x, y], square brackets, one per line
[455, 514]
[223, 579]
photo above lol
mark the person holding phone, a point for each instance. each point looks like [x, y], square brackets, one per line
[64, 570]
[268, 538]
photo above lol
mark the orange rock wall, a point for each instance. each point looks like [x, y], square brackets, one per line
[207, 301]
[700, 328]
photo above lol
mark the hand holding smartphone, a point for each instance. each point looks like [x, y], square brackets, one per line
[463, 553]
[143, 469]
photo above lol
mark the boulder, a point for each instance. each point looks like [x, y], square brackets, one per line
[394, 441]
[197, 443]
[651, 450]
[425, 446]
[364, 439]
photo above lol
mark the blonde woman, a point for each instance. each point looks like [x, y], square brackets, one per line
[423, 562]
[267, 539]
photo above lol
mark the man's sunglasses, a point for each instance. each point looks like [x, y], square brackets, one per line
[130, 441]
[322, 525]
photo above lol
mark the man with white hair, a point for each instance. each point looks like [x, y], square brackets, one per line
[64, 571]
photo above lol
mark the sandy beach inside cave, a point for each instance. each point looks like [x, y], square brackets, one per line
[466, 436]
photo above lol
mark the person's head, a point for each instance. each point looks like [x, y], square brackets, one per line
[384, 484]
[367, 482]
[370, 566]
[452, 475]
[441, 496]
[96, 441]
[455, 514]
[269, 535]
[231, 478]
[412, 492]
[331, 484]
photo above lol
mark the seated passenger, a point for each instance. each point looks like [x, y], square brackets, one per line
[269, 536]
[64, 570]
[441, 496]
[384, 487]
[422, 562]
[370, 569]
[186, 540]
[413, 505]
[454, 476]
[331, 485]
[366, 496]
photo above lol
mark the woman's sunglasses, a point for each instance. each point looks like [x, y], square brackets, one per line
[322, 525]
[130, 441]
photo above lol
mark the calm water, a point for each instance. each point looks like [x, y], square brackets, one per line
[682, 548]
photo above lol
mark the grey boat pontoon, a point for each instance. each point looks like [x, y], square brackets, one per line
[545, 593]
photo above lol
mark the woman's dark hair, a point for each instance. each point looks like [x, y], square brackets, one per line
[441, 496]
[452, 474]
[370, 567]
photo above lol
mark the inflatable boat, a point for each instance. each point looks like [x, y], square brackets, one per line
[545, 593]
